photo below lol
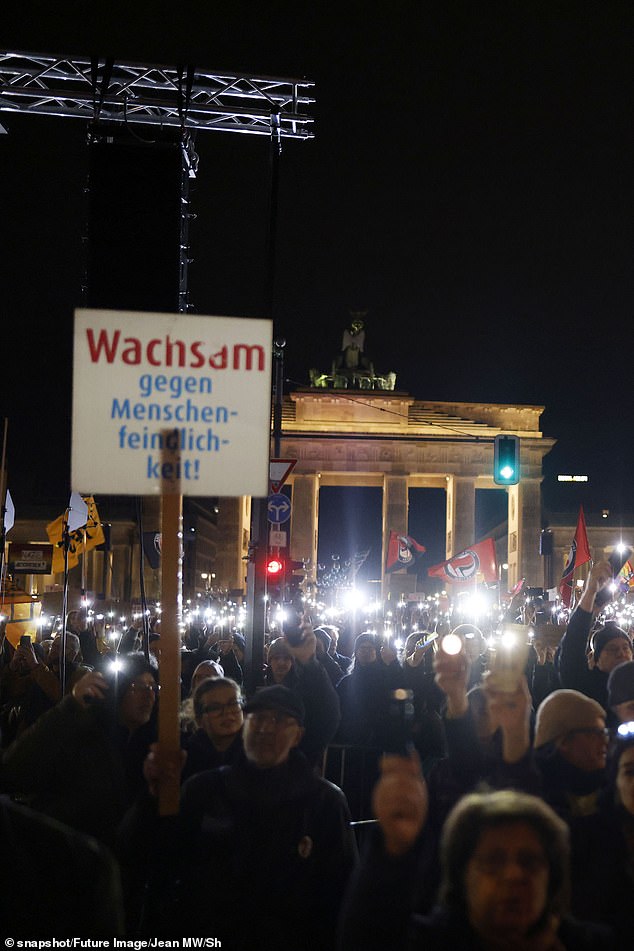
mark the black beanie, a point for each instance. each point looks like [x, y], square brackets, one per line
[604, 634]
[621, 684]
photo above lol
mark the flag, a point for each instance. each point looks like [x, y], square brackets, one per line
[625, 577]
[79, 541]
[477, 563]
[402, 551]
[517, 589]
[578, 555]
[152, 542]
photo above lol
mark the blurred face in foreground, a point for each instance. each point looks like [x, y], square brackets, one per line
[506, 881]
[269, 736]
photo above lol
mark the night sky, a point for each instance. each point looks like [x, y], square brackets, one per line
[470, 186]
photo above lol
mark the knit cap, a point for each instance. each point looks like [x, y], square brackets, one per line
[366, 637]
[621, 684]
[563, 711]
[603, 635]
[323, 635]
[279, 648]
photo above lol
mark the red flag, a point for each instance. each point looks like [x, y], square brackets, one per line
[578, 555]
[402, 551]
[467, 565]
[517, 589]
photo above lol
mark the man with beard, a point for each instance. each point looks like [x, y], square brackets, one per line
[265, 827]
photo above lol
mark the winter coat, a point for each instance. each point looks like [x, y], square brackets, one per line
[262, 856]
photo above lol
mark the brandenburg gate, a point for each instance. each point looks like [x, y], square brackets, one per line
[387, 439]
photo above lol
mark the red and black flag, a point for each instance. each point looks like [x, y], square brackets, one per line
[578, 555]
[402, 551]
[474, 564]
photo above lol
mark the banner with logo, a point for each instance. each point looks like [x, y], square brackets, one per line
[402, 551]
[478, 563]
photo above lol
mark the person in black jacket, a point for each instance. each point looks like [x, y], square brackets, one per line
[82, 761]
[54, 881]
[364, 693]
[505, 868]
[263, 848]
[297, 667]
[585, 663]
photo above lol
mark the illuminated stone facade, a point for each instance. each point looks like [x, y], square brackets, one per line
[394, 442]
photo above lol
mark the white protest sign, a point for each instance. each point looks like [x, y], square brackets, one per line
[206, 380]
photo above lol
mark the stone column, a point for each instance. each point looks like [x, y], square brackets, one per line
[304, 521]
[234, 530]
[524, 521]
[460, 514]
[395, 510]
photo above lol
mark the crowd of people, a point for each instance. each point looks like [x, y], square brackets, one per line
[460, 791]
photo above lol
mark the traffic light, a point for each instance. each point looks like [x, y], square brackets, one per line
[506, 460]
[275, 575]
[296, 577]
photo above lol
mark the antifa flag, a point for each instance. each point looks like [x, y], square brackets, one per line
[152, 548]
[477, 563]
[578, 555]
[402, 551]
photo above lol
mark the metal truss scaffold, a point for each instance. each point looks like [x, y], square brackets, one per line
[103, 90]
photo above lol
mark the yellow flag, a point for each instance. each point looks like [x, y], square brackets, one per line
[79, 541]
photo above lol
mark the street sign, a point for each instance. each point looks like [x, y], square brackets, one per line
[27, 559]
[279, 471]
[278, 508]
[277, 539]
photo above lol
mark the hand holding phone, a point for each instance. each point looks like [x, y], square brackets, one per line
[508, 660]
[616, 560]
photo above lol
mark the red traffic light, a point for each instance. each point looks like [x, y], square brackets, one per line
[274, 567]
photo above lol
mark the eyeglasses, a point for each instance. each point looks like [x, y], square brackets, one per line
[276, 720]
[139, 686]
[598, 731]
[217, 709]
[496, 862]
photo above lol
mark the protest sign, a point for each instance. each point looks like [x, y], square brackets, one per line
[199, 387]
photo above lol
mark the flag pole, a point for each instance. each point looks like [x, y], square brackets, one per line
[62, 659]
[3, 504]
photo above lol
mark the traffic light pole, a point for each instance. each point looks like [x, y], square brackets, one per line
[258, 554]
[256, 591]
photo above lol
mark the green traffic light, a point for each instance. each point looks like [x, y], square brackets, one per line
[506, 457]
